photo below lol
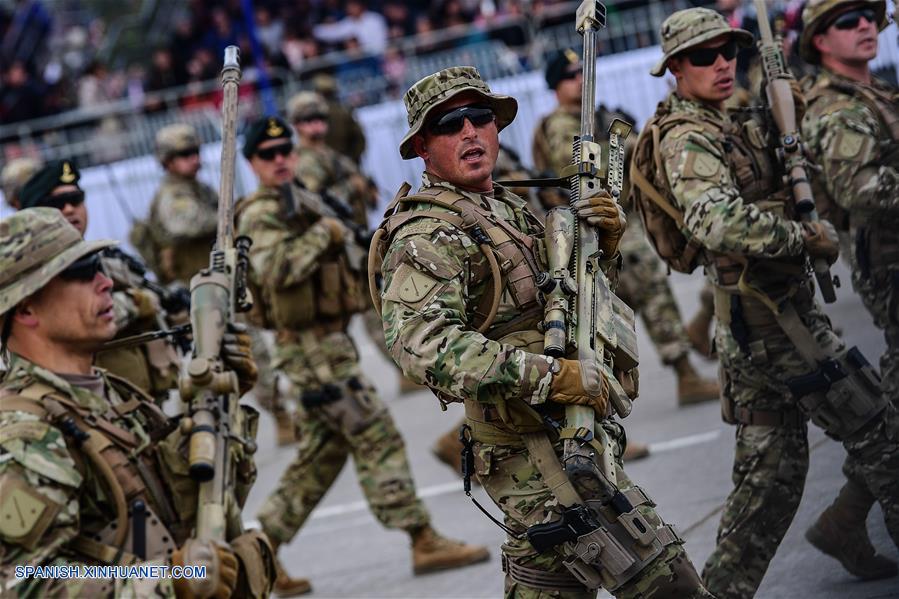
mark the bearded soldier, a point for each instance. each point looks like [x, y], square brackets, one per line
[92, 472]
[303, 263]
[153, 366]
[642, 283]
[735, 216]
[445, 328]
[851, 128]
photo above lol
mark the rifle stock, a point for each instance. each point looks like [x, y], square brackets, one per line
[791, 150]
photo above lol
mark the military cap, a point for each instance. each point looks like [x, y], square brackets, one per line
[691, 27]
[14, 175]
[816, 15]
[43, 182]
[262, 130]
[306, 104]
[173, 139]
[436, 89]
[36, 245]
[563, 62]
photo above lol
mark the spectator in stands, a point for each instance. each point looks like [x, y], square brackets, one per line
[225, 32]
[20, 96]
[270, 31]
[399, 19]
[368, 28]
[94, 86]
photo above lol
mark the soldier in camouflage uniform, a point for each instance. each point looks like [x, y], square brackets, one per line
[851, 127]
[344, 135]
[304, 267]
[642, 283]
[152, 366]
[719, 172]
[13, 177]
[79, 447]
[439, 331]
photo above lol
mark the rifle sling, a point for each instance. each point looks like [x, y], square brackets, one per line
[547, 462]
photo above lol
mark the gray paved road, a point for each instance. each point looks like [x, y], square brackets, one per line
[347, 553]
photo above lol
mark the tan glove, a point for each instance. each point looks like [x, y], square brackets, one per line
[580, 383]
[237, 353]
[606, 215]
[336, 229]
[145, 302]
[821, 240]
[221, 571]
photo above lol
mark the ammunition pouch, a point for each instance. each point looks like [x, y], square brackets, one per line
[842, 395]
[348, 405]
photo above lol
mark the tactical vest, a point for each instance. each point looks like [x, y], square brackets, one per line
[330, 295]
[876, 246]
[190, 256]
[513, 262]
[102, 446]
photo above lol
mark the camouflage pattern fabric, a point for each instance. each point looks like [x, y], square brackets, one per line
[770, 462]
[35, 455]
[322, 169]
[378, 450]
[642, 281]
[430, 336]
[280, 257]
[344, 135]
[183, 221]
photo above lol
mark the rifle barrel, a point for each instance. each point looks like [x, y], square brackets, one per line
[230, 81]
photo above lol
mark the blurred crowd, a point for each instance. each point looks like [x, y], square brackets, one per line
[55, 60]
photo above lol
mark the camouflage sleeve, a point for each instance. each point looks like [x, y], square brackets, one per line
[279, 255]
[714, 212]
[180, 215]
[560, 131]
[427, 329]
[310, 172]
[39, 515]
[857, 172]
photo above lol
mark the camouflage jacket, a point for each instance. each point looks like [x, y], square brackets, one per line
[710, 193]
[183, 221]
[322, 169]
[553, 138]
[855, 149]
[42, 467]
[428, 329]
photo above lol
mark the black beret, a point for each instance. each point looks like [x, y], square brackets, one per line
[262, 130]
[562, 62]
[43, 182]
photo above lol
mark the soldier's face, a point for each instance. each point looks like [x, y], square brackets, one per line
[76, 213]
[313, 129]
[72, 314]
[186, 164]
[569, 90]
[466, 157]
[712, 84]
[273, 162]
[851, 38]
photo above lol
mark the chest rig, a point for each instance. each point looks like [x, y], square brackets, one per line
[328, 297]
[119, 456]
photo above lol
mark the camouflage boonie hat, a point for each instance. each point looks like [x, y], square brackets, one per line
[175, 138]
[691, 27]
[14, 176]
[325, 84]
[436, 89]
[816, 15]
[306, 104]
[36, 245]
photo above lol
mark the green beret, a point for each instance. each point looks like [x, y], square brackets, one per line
[54, 174]
[262, 130]
[564, 61]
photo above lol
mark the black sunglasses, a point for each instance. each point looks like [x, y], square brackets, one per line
[84, 269]
[186, 153]
[269, 154]
[850, 19]
[452, 121]
[312, 117]
[59, 201]
[706, 57]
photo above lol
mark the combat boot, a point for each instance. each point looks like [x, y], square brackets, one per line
[432, 552]
[635, 451]
[698, 329]
[286, 586]
[841, 533]
[448, 449]
[692, 388]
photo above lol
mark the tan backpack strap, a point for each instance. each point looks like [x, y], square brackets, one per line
[653, 194]
[400, 194]
[17, 403]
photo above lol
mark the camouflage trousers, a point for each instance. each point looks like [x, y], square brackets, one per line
[771, 462]
[643, 285]
[513, 482]
[328, 436]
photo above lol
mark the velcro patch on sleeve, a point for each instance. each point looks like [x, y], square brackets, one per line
[701, 165]
[411, 286]
[25, 513]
